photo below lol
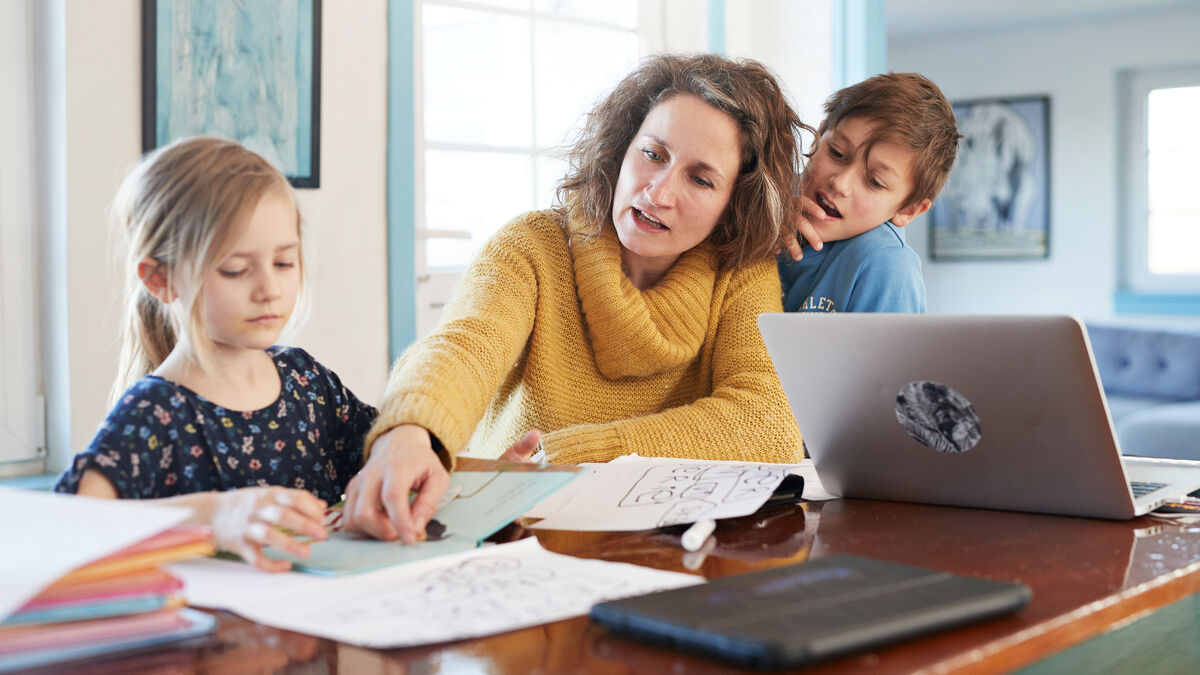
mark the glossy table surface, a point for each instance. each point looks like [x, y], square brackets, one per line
[1087, 576]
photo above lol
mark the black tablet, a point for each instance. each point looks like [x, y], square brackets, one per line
[813, 610]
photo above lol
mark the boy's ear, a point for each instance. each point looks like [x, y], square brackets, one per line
[154, 277]
[905, 215]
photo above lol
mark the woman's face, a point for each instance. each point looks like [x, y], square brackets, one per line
[675, 182]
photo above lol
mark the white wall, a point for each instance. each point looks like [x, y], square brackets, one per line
[1077, 65]
[101, 77]
[792, 37]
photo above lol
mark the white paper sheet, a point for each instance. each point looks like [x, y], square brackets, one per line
[481, 592]
[46, 535]
[644, 493]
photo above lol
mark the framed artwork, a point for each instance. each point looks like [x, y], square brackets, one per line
[246, 71]
[996, 202]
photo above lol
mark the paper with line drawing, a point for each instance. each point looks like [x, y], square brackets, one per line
[481, 592]
[645, 493]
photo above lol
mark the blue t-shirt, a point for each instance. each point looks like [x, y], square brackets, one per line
[163, 439]
[875, 271]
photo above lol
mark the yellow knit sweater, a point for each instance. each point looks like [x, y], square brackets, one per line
[545, 335]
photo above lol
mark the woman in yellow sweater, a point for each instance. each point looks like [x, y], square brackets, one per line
[624, 319]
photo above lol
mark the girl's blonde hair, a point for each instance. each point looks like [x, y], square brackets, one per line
[183, 206]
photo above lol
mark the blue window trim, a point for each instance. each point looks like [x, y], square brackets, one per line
[1129, 302]
[859, 41]
[41, 481]
[401, 178]
[716, 26]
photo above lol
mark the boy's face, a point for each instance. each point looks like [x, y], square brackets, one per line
[856, 194]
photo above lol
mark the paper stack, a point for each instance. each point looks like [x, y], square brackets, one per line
[119, 602]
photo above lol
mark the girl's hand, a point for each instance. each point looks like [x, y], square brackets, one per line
[245, 520]
[377, 499]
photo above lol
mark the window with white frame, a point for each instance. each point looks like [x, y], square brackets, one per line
[501, 84]
[21, 409]
[1162, 210]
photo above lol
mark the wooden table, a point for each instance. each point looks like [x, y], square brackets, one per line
[1088, 577]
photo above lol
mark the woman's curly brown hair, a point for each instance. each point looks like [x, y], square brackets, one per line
[760, 206]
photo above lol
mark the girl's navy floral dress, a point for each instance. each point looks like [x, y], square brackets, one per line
[163, 439]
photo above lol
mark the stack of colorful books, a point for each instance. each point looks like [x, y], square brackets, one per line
[121, 603]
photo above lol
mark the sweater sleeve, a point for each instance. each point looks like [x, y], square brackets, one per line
[745, 418]
[445, 381]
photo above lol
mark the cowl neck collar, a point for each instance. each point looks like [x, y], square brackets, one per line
[638, 333]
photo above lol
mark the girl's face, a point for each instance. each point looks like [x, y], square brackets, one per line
[248, 297]
[675, 181]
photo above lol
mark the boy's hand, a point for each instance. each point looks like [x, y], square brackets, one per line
[248, 519]
[377, 498]
[807, 212]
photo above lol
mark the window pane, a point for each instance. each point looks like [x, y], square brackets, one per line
[476, 77]
[472, 192]
[619, 12]
[575, 66]
[1172, 180]
[1174, 239]
[549, 170]
[506, 4]
[1173, 140]
[1171, 115]
[448, 253]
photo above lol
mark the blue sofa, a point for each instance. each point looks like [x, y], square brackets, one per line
[1151, 377]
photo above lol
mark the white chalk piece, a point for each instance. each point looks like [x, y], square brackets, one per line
[697, 534]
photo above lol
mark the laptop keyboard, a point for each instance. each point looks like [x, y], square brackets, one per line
[1141, 488]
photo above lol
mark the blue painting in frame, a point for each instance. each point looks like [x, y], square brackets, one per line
[996, 202]
[246, 71]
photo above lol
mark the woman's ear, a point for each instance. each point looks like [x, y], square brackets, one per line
[156, 280]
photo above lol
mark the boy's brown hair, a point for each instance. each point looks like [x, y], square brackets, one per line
[913, 114]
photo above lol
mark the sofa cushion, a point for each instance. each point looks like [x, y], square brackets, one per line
[1170, 430]
[1121, 406]
[1145, 362]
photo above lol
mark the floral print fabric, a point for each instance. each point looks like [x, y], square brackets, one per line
[162, 439]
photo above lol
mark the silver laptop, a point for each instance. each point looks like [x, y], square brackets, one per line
[999, 412]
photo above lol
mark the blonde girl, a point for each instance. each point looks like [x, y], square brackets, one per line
[208, 412]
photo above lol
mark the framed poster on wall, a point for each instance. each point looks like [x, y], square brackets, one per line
[996, 202]
[245, 71]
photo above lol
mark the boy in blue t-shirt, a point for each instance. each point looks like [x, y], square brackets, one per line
[881, 157]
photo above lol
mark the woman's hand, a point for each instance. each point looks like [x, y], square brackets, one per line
[246, 520]
[377, 498]
[807, 211]
[522, 451]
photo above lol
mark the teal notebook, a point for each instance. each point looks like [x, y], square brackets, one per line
[90, 609]
[476, 505]
[196, 625]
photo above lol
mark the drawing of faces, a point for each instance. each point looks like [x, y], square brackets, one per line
[686, 511]
[938, 416]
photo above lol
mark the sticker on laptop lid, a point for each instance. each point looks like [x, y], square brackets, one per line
[938, 416]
